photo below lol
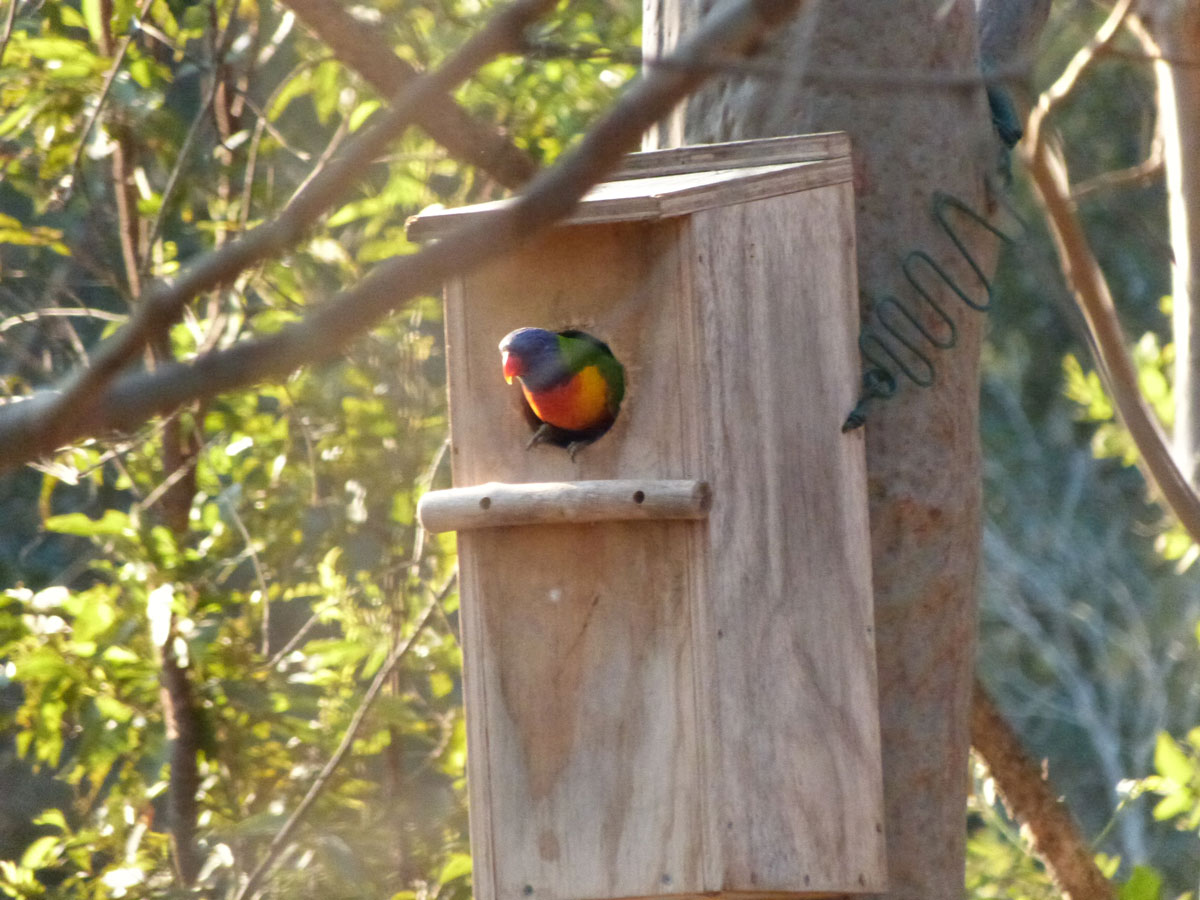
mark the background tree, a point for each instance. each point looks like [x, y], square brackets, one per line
[909, 144]
[259, 541]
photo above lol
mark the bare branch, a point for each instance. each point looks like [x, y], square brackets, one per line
[162, 304]
[184, 728]
[60, 312]
[9, 18]
[1049, 173]
[31, 427]
[118, 59]
[363, 49]
[1138, 175]
[1054, 94]
[1033, 803]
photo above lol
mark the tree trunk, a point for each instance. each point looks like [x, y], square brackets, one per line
[1176, 29]
[864, 68]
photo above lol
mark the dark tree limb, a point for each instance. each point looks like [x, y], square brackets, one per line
[162, 304]
[1031, 800]
[35, 426]
[361, 48]
[183, 740]
[124, 154]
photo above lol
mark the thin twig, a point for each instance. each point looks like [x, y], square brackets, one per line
[168, 191]
[259, 575]
[109, 78]
[1054, 95]
[1138, 175]
[32, 427]
[292, 643]
[60, 312]
[284, 834]
[9, 18]
[265, 121]
[1048, 170]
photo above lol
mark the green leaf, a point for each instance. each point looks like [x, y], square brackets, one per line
[440, 683]
[362, 112]
[112, 523]
[457, 865]
[53, 817]
[1143, 884]
[1172, 805]
[94, 19]
[1171, 762]
[71, 17]
[42, 851]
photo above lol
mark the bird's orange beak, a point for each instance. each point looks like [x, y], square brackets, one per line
[512, 366]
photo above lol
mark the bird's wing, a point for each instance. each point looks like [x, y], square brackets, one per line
[580, 349]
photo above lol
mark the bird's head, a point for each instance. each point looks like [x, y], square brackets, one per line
[522, 349]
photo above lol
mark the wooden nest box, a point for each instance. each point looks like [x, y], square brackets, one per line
[669, 653]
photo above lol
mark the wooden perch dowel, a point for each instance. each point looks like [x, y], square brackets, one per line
[495, 504]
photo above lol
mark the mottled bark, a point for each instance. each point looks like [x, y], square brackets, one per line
[872, 69]
[183, 722]
[1032, 801]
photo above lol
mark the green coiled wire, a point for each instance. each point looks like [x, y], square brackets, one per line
[879, 339]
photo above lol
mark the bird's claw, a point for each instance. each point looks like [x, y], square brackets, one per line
[542, 434]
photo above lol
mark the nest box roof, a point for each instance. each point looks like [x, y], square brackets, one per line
[662, 183]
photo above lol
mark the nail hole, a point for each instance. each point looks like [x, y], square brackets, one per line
[639, 496]
[528, 889]
[485, 502]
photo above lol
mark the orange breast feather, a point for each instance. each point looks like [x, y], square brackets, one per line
[579, 404]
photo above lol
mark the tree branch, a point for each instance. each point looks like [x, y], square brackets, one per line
[31, 427]
[1138, 175]
[1079, 63]
[162, 304]
[109, 78]
[183, 738]
[1032, 802]
[360, 47]
[10, 17]
[1049, 173]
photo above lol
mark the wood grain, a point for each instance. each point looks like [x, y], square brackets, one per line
[739, 154]
[787, 623]
[496, 505]
[659, 196]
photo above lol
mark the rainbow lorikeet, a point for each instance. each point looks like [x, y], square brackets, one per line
[573, 385]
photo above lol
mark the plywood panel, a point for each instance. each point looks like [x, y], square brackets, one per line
[584, 778]
[786, 631]
[653, 197]
[583, 765]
